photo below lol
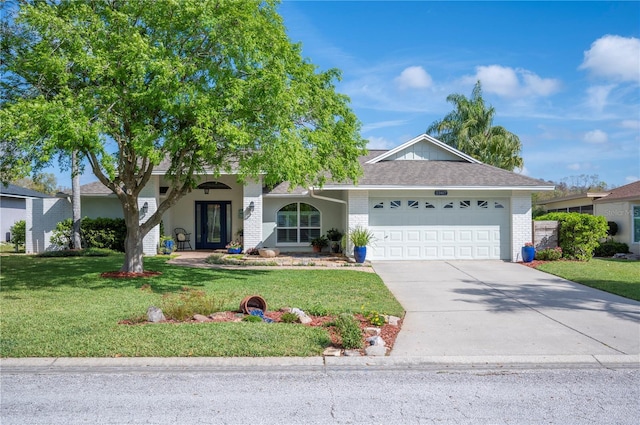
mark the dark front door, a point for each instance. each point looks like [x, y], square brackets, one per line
[213, 224]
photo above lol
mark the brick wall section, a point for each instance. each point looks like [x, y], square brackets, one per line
[42, 217]
[252, 221]
[520, 224]
[149, 194]
[358, 211]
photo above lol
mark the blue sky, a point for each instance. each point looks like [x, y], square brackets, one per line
[563, 76]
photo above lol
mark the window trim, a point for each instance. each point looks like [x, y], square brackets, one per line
[298, 227]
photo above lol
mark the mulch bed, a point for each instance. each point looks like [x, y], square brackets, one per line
[534, 264]
[388, 332]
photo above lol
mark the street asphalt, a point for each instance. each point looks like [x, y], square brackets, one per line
[459, 314]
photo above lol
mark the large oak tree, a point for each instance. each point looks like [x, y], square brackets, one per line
[210, 85]
[469, 128]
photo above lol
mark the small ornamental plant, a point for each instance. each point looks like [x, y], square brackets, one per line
[234, 245]
[528, 244]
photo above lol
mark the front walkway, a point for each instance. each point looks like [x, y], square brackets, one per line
[494, 308]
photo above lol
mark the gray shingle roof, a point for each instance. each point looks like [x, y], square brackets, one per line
[442, 173]
[626, 192]
[21, 192]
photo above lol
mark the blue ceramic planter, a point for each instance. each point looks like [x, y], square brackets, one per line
[528, 253]
[360, 252]
[234, 250]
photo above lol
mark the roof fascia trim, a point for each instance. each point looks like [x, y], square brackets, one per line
[472, 188]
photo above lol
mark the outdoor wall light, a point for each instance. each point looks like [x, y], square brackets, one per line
[251, 206]
[206, 191]
[145, 207]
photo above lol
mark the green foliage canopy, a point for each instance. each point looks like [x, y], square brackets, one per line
[469, 128]
[197, 85]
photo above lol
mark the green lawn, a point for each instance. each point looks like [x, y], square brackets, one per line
[620, 277]
[61, 307]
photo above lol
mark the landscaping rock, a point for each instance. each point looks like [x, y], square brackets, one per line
[332, 352]
[372, 331]
[352, 353]
[155, 315]
[219, 316]
[200, 318]
[375, 340]
[393, 320]
[376, 350]
[304, 319]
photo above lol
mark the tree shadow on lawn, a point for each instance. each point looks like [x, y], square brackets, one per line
[34, 273]
[554, 294]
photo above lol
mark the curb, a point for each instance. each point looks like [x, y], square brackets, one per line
[102, 364]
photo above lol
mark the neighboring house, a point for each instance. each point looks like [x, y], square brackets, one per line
[13, 206]
[580, 203]
[622, 205]
[422, 200]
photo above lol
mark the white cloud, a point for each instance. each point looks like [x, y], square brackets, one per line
[597, 96]
[379, 143]
[509, 82]
[414, 77]
[631, 124]
[575, 166]
[382, 124]
[631, 179]
[596, 137]
[614, 57]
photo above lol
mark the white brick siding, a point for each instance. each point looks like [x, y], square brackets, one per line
[520, 224]
[358, 211]
[252, 227]
[42, 217]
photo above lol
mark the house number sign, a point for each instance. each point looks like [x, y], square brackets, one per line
[441, 193]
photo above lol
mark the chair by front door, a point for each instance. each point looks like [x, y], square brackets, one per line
[213, 224]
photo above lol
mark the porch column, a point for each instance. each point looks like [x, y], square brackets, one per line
[148, 197]
[252, 214]
[358, 212]
[520, 223]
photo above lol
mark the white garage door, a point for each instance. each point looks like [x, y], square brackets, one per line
[439, 228]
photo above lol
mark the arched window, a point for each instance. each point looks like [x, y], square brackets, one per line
[297, 223]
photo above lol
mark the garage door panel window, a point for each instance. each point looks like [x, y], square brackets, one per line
[298, 223]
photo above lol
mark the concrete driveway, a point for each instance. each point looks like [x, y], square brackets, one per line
[494, 308]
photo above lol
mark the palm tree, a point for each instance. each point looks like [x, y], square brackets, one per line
[470, 129]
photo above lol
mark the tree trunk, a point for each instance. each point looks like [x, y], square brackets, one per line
[133, 246]
[75, 189]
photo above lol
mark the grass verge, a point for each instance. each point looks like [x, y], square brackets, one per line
[62, 307]
[621, 277]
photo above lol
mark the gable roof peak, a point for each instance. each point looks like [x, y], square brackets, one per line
[428, 139]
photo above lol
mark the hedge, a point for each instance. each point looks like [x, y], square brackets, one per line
[579, 234]
[108, 233]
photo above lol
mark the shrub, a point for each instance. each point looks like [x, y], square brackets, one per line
[550, 254]
[290, 318]
[252, 319]
[106, 233]
[349, 330]
[185, 304]
[612, 229]
[579, 234]
[18, 233]
[610, 248]
[89, 252]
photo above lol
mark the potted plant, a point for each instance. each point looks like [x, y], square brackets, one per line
[334, 236]
[167, 245]
[360, 237]
[319, 243]
[234, 247]
[528, 252]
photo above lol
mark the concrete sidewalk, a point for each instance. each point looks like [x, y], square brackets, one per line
[496, 309]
